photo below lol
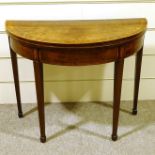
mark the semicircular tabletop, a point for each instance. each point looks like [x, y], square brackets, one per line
[75, 32]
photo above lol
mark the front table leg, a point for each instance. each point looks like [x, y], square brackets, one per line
[118, 73]
[38, 70]
[137, 79]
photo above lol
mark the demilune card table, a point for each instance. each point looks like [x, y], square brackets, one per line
[77, 43]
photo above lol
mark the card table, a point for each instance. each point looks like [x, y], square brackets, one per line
[77, 43]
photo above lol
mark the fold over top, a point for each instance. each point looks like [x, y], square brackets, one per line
[76, 32]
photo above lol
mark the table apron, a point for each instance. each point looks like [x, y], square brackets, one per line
[74, 56]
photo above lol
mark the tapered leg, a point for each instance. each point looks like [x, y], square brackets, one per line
[38, 70]
[137, 79]
[118, 73]
[16, 81]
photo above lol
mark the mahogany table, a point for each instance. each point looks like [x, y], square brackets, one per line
[77, 43]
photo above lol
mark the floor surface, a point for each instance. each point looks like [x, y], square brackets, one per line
[78, 129]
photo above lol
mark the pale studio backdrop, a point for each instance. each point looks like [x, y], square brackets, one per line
[93, 83]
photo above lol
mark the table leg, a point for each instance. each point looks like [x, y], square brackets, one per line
[118, 73]
[38, 70]
[16, 81]
[137, 79]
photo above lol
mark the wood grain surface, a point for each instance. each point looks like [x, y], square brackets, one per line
[76, 32]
